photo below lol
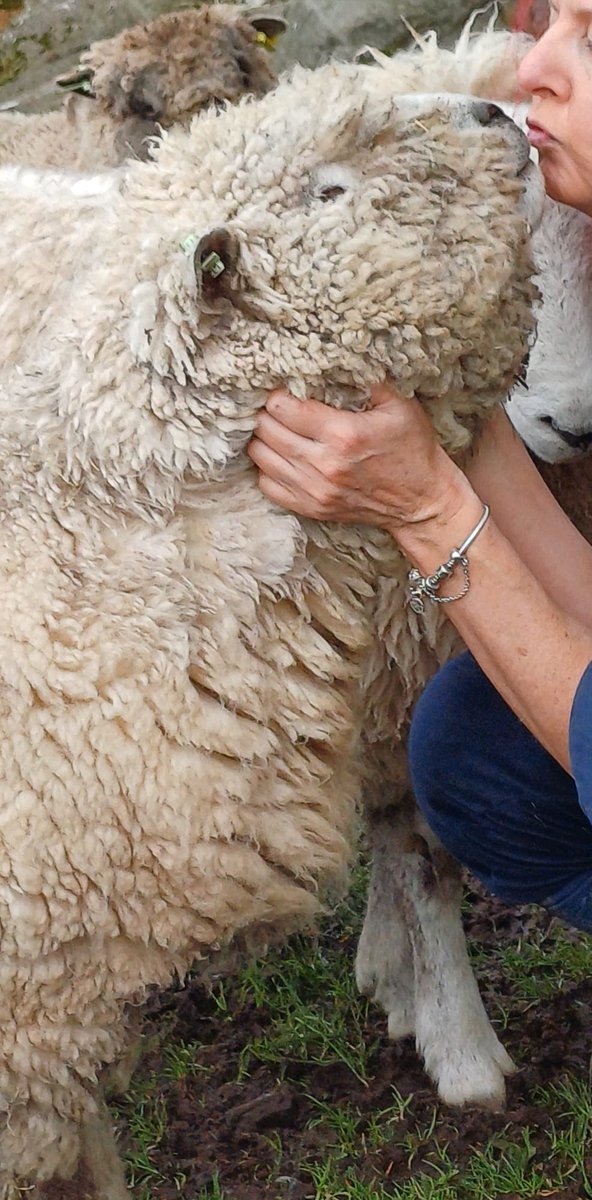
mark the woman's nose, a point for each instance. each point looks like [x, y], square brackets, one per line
[542, 69]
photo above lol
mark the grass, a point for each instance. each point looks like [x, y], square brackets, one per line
[147, 1117]
[313, 1013]
[409, 1149]
[546, 963]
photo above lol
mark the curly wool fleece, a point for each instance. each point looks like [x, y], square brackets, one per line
[181, 662]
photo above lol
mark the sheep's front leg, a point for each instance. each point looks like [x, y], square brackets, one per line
[99, 1175]
[102, 1159]
[384, 961]
[460, 1049]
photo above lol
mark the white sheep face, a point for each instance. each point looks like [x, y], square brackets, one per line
[386, 234]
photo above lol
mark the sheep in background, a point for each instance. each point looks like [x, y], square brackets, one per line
[552, 411]
[146, 78]
[186, 670]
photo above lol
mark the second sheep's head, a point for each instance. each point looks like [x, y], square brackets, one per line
[152, 76]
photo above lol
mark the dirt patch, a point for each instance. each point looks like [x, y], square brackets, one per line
[252, 1137]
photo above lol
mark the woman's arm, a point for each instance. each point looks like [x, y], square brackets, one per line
[526, 512]
[524, 617]
[532, 650]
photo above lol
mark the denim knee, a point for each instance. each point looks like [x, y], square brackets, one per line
[496, 799]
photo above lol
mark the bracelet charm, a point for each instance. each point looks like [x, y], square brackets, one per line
[426, 587]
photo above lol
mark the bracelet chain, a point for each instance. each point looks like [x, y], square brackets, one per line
[426, 587]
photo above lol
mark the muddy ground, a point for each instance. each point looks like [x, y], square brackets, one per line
[253, 1139]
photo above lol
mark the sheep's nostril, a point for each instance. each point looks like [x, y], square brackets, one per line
[578, 441]
[489, 114]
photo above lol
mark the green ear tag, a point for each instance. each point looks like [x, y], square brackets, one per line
[80, 81]
[265, 40]
[212, 265]
[189, 243]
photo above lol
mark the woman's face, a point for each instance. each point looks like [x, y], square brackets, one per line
[558, 72]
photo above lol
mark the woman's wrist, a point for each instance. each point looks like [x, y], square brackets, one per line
[443, 524]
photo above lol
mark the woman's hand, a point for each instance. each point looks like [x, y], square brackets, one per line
[381, 467]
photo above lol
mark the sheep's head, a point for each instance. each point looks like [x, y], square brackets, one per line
[151, 76]
[339, 233]
[322, 236]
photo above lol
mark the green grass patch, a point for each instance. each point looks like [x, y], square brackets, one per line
[301, 1001]
[546, 962]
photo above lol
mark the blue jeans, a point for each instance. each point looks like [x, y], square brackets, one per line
[497, 800]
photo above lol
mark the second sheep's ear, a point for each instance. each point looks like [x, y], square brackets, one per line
[215, 259]
[80, 80]
[269, 27]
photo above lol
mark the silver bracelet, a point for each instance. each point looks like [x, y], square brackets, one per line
[425, 587]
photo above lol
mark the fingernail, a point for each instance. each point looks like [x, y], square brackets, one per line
[276, 398]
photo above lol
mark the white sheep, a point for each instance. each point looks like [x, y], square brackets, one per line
[145, 79]
[186, 671]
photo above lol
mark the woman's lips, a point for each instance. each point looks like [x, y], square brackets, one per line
[538, 136]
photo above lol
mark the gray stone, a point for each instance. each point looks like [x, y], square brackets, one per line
[323, 29]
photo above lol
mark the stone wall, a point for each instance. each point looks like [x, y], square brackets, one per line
[43, 38]
[321, 29]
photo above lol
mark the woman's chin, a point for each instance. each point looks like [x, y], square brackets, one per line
[563, 187]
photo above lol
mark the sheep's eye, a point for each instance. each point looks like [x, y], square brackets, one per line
[330, 192]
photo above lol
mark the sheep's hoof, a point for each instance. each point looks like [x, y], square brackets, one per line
[395, 996]
[401, 1019]
[465, 1079]
[384, 972]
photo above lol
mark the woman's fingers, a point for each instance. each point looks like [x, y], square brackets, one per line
[285, 441]
[376, 467]
[305, 417]
[296, 501]
[387, 393]
[300, 478]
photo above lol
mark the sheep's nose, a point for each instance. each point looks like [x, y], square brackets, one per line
[578, 441]
[489, 114]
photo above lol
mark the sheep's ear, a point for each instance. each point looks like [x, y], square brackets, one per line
[269, 26]
[215, 258]
[79, 81]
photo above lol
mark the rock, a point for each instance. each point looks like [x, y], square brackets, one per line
[322, 29]
[269, 1110]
